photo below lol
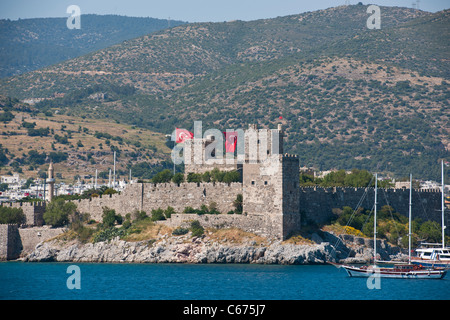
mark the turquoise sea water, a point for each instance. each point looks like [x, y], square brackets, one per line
[48, 281]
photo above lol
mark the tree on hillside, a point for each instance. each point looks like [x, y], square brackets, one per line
[163, 176]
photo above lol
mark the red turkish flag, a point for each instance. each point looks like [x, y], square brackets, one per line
[230, 141]
[183, 135]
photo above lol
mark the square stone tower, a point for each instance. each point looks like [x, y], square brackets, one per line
[270, 180]
[270, 183]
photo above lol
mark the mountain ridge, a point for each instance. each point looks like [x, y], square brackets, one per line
[30, 44]
[349, 96]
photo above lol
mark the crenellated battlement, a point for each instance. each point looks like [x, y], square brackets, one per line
[23, 204]
[34, 211]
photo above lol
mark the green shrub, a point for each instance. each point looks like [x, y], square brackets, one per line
[180, 231]
[158, 214]
[169, 211]
[140, 215]
[238, 203]
[178, 178]
[194, 177]
[84, 234]
[126, 224]
[163, 176]
[196, 229]
[110, 218]
[189, 210]
[212, 209]
[108, 234]
[231, 176]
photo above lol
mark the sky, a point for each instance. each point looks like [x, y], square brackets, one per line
[191, 10]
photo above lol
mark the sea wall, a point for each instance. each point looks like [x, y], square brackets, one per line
[316, 204]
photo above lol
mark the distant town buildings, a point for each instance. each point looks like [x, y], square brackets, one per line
[40, 188]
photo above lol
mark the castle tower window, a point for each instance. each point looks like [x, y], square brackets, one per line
[253, 182]
[265, 183]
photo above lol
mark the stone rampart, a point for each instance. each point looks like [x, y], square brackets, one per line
[149, 196]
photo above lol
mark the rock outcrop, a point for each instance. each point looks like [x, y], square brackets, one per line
[182, 249]
[188, 249]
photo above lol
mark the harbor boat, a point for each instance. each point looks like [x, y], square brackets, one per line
[432, 255]
[406, 271]
[435, 254]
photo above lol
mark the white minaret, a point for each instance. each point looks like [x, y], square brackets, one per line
[51, 182]
[114, 175]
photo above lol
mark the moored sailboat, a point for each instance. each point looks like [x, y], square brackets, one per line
[407, 271]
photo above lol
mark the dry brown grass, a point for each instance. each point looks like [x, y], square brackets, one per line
[234, 235]
[298, 239]
[149, 231]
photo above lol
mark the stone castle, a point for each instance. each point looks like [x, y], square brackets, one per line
[269, 187]
[273, 204]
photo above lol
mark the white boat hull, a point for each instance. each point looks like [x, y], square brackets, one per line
[385, 273]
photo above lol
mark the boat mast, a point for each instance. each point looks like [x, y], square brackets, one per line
[442, 204]
[375, 222]
[410, 205]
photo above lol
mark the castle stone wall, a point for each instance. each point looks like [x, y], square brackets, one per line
[148, 196]
[317, 203]
[30, 237]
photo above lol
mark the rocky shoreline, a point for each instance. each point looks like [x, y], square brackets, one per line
[188, 249]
